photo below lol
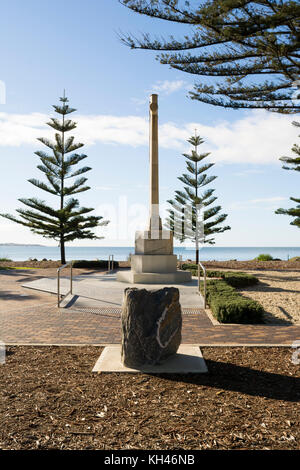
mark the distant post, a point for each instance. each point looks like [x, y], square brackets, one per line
[155, 221]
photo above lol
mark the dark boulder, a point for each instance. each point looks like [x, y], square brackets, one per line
[151, 325]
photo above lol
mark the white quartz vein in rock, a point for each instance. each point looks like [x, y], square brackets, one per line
[158, 328]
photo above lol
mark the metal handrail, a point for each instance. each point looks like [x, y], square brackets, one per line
[200, 265]
[110, 262]
[180, 261]
[61, 297]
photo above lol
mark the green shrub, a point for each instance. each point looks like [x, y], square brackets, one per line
[228, 306]
[295, 258]
[237, 280]
[189, 266]
[101, 264]
[5, 259]
[194, 270]
[264, 257]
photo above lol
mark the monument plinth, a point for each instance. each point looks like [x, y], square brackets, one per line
[154, 261]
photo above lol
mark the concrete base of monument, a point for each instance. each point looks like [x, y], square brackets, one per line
[176, 277]
[153, 263]
[187, 360]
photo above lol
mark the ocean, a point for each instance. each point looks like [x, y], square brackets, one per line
[208, 253]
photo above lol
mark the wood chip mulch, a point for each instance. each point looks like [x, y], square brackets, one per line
[50, 399]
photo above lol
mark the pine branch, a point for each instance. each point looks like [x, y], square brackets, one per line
[59, 126]
[41, 185]
[75, 187]
[235, 40]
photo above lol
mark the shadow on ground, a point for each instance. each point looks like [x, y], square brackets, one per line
[241, 379]
[6, 295]
[265, 287]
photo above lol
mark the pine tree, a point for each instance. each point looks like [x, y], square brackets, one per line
[250, 48]
[292, 164]
[68, 221]
[185, 216]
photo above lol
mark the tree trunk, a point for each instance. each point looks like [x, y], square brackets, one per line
[62, 251]
[197, 255]
[62, 241]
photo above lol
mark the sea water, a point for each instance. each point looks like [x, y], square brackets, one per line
[208, 253]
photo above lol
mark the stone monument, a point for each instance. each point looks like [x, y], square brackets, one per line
[154, 261]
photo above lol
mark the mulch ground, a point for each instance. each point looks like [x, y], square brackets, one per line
[50, 399]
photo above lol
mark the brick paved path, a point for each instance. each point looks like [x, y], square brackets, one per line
[29, 317]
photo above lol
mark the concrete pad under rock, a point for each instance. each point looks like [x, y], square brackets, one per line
[188, 360]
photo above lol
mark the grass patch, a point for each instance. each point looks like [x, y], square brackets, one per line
[4, 268]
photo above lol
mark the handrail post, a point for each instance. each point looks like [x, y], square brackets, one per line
[110, 262]
[180, 261]
[205, 289]
[204, 275]
[58, 287]
[71, 277]
[59, 300]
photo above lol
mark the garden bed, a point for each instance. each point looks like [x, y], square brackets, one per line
[50, 399]
[226, 303]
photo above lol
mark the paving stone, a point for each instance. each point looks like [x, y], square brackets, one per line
[37, 320]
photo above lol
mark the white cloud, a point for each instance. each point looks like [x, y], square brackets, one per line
[107, 188]
[19, 129]
[258, 138]
[248, 172]
[167, 87]
[139, 102]
[267, 199]
[163, 87]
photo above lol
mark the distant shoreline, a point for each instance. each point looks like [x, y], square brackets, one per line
[21, 244]
[189, 247]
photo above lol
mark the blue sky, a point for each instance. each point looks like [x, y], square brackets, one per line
[51, 45]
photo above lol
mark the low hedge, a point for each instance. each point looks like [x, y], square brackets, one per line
[228, 306]
[194, 270]
[237, 279]
[102, 264]
[234, 279]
